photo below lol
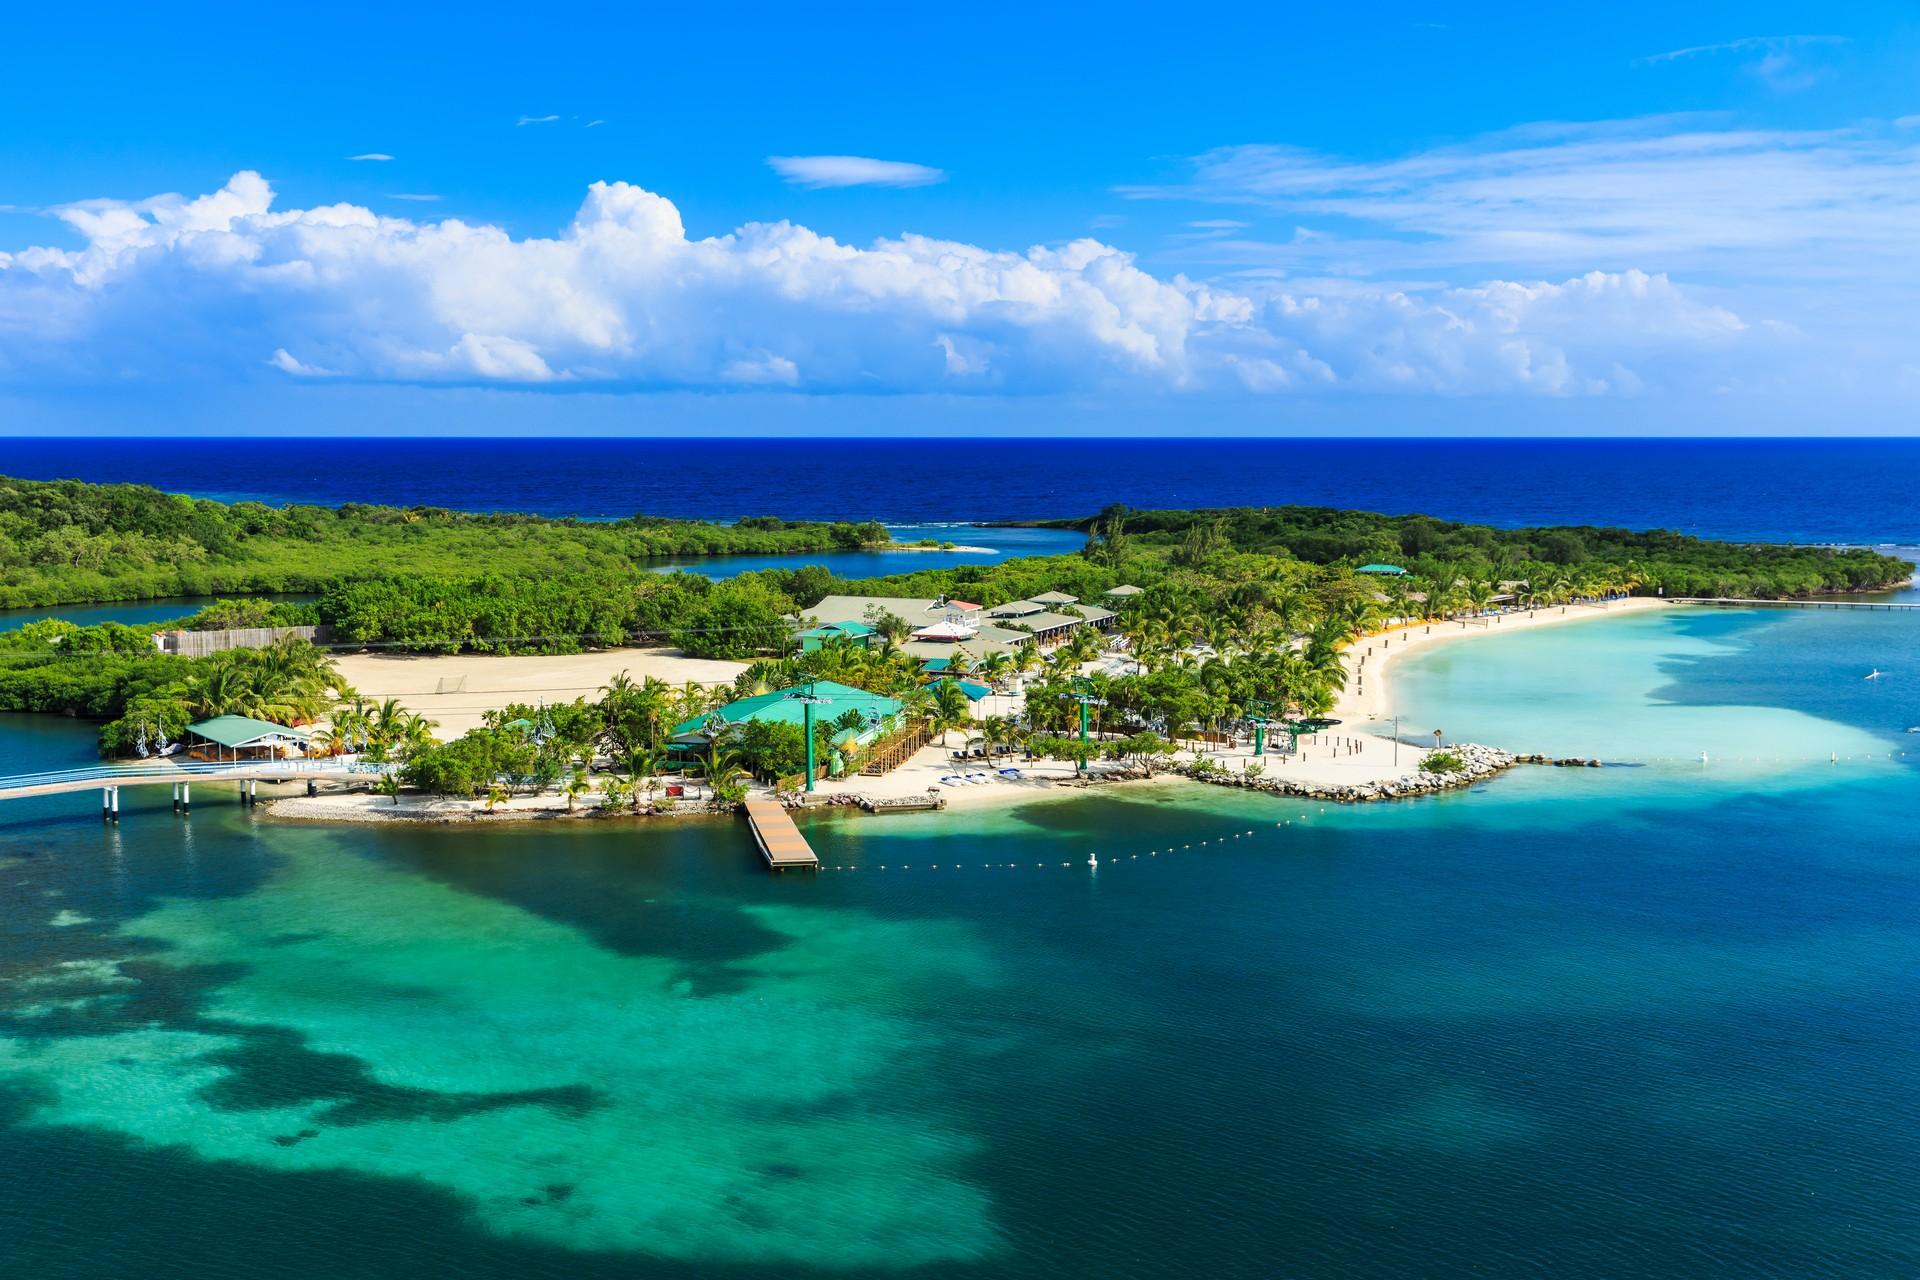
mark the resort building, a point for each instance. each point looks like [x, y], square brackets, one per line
[784, 706]
[243, 738]
[877, 739]
[1122, 593]
[1384, 570]
[854, 632]
[940, 627]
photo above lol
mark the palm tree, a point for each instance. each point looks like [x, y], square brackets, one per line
[641, 767]
[575, 786]
[220, 691]
[951, 709]
[415, 733]
[729, 778]
[916, 704]
[386, 722]
[353, 724]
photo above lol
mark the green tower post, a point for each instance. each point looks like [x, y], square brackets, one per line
[1083, 693]
[808, 700]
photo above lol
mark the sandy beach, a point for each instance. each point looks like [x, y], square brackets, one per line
[455, 690]
[1367, 697]
[1348, 756]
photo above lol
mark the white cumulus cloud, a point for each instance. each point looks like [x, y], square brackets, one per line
[225, 284]
[853, 171]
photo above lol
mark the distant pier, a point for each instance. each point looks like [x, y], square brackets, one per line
[1736, 602]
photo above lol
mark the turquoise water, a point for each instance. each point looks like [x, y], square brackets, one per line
[1637, 1021]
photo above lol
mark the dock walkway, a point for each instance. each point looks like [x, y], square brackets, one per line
[1734, 602]
[113, 777]
[781, 843]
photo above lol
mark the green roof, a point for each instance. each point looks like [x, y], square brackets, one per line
[1381, 568]
[781, 705]
[827, 630]
[974, 691]
[240, 731]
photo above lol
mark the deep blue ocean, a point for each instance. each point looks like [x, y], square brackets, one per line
[1639, 1022]
[1776, 490]
[1654, 1020]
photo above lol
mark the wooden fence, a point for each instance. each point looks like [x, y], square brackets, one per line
[198, 644]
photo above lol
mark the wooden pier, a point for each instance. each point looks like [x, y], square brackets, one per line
[781, 843]
[1733, 602]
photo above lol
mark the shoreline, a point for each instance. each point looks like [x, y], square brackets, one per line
[957, 548]
[1367, 700]
[1352, 766]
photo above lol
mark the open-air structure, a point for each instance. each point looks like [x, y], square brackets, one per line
[244, 738]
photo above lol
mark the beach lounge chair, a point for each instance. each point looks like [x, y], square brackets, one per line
[1012, 774]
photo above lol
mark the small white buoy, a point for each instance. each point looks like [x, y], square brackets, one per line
[1093, 860]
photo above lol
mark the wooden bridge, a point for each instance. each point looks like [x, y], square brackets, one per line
[109, 779]
[1735, 602]
[781, 843]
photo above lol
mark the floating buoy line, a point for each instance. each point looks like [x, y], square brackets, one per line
[1831, 757]
[1096, 860]
[1093, 862]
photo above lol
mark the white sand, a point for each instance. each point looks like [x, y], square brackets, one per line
[360, 805]
[492, 682]
[1348, 756]
[1367, 696]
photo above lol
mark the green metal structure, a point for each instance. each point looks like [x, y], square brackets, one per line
[1084, 694]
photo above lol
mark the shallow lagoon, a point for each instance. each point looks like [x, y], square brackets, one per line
[1635, 1021]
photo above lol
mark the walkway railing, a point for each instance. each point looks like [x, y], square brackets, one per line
[1803, 602]
[108, 774]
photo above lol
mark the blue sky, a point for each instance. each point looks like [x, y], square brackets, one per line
[1342, 219]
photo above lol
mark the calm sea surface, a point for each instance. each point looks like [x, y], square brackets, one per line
[1787, 490]
[1643, 1021]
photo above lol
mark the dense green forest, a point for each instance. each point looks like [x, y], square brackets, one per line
[1273, 595]
[69, 542]
[1654, 561]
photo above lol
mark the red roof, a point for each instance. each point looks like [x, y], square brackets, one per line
[962, 604]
